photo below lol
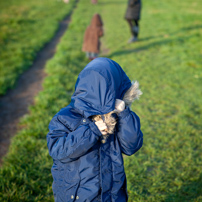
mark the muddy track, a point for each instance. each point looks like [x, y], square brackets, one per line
[15, 103]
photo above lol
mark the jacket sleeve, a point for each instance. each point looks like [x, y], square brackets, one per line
[100, 32]
[129, 134]
[64, 144]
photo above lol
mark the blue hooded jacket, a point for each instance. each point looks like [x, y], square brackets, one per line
[84, 169]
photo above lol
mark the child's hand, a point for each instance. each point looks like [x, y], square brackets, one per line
[102, 127]
[119, 105]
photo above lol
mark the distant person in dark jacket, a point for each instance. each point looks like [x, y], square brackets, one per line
[91, 42]
[84, 168]
[133, 16]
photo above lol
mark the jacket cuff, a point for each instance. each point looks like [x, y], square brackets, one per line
[124, 113]
[95, 129]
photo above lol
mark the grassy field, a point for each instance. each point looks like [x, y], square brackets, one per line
[25, 27]
[167, 63]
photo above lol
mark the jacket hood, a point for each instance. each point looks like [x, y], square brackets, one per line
[98, 86]
[96, 21]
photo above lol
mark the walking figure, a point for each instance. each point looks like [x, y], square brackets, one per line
[133, 16]
[91, 42]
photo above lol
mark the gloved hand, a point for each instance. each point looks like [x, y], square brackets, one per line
[102, 127]
[119, 105]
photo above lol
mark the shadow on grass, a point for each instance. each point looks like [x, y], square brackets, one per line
[150, 37]
[112, 3]
[190, 28]
[187, 29]
[188, 192]
[151, 45]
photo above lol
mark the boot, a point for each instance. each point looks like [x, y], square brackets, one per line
[132, 39]
[135, 31]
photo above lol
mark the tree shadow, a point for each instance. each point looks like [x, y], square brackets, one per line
[188, 192]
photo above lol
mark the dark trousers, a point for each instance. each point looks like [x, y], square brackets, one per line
[134, 27]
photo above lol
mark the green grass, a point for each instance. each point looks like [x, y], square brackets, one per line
[25, 175]
[167, 62]
[26, 26]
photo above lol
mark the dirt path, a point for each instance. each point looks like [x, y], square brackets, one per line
[15, 103]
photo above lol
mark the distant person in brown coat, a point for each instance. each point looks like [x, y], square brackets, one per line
[133, 16]
[93, 1]
[91, 43]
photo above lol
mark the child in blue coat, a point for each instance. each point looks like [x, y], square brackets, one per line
[85, 169]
